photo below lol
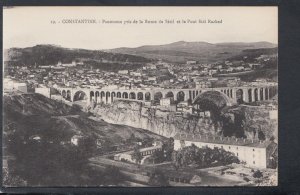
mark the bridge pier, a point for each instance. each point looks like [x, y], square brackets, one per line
[268, 94]
[253, 95]
[264, 94]
[245, 95]
[186, 95]
[234, 94]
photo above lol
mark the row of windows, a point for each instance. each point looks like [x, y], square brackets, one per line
[229, 147]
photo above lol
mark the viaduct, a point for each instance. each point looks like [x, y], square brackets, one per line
[231, 95]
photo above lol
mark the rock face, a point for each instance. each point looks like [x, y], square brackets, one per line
[252, 122]
[157, 120]
[258, 124]
[239, 121]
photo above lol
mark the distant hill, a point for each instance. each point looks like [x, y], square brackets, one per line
[251, 54]
[201, 51]
[51, 54]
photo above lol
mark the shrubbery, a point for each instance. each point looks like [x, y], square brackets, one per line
[257, 174]
[202, 157]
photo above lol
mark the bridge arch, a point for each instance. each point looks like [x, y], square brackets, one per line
[102, 96]
[125, 95]
[255, 94]
[250, 95]
[218, 98]
[170, 94]
[79, 95]
[132, 96]
[158, 96]
[140, 96]
[239, 96]
[119, 95]
[180, 96]
[113, 94]
[92, 94]
[147, 96]
[97, 95]
[212, 101]
[107, 94]
[68, 96]
[64, 93]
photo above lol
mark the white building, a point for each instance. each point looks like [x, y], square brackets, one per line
[10, 85]
[137, 74]
[191, 62]
[254, 153]
[204, 114]
[75, 139]
[203, 84]
[123, 71]
[127, 156]
[151, 78]
[166, 101]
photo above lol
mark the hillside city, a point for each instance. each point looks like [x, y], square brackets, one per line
[170, 142]
[152, 75]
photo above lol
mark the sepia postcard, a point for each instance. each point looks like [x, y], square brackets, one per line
[140, 96]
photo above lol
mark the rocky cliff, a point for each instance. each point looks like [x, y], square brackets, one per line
[239, 121]
[252, 122]
[157, 120]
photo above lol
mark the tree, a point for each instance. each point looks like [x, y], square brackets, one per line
[158, 178]
[257, 174]
[203, 157]
[168, 149]
[137, 156]
[158, 156]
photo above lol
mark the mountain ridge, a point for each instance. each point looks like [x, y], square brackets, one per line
[47, 54]
[201, 51]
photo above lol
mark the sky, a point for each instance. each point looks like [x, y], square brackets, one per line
[29, 26]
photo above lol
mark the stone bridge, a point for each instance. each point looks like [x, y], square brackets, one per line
[232, 95]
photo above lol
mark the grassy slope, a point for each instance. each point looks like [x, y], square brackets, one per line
[58, 121]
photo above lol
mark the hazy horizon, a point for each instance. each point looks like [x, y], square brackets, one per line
[30, 26]
[140, 45]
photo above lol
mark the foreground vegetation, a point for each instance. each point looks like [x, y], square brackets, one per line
[202, 157]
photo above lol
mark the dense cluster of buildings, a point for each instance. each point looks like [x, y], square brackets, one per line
[150, 75]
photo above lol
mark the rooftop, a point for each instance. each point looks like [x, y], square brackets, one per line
[142, 149]
[223, 140]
